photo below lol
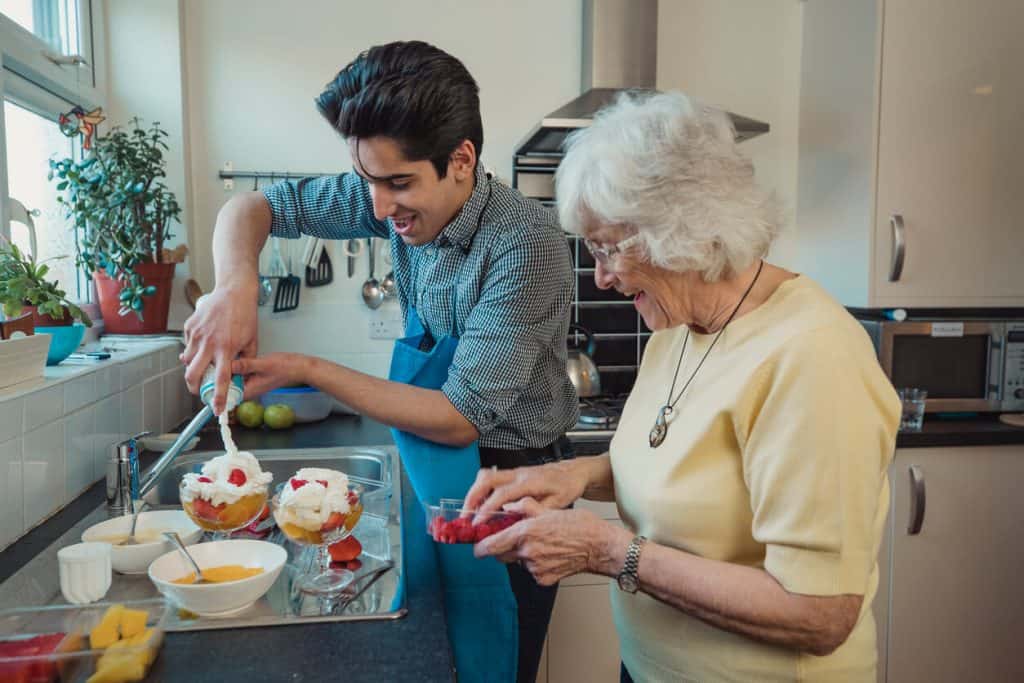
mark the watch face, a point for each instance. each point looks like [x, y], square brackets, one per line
[627, 582]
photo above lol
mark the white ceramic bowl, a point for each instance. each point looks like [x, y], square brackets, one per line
[135, 559]
[219, 599]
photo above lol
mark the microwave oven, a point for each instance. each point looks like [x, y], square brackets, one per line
[966, 366]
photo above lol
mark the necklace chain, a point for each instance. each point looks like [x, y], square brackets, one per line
[660, 429]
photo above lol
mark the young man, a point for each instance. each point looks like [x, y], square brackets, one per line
[485, 282]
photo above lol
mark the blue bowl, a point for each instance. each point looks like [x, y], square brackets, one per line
[63, 342]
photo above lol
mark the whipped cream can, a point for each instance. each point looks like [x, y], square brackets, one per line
[235, 390]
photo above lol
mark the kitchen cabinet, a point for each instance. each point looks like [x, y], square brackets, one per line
[911, 131]
[582, 644]
[950, 605]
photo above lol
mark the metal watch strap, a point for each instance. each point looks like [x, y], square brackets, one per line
[628, 579]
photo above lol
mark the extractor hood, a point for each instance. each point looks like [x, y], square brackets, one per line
[620, 52]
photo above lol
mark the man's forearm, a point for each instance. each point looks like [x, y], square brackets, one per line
[426, 413]
[241, 231]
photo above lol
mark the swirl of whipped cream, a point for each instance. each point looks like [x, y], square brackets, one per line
[310, 505]
[219, 489]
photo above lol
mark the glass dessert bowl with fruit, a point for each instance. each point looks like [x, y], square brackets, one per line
[228, 493]
[318, 507]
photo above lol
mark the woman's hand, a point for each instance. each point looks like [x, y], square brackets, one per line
[554, 486]
[266, 373]
[554, 544]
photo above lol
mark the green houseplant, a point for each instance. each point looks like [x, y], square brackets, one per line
[23, 285]
[122, 210]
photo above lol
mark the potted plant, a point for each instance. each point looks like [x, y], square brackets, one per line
[122, 211]
[25, 289]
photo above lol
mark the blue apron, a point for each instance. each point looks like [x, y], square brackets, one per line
[480, 608]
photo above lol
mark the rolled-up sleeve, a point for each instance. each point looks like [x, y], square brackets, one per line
[329, 207]
[822, 431]
[520, 315]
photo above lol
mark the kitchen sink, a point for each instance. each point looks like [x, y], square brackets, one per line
[365, 465]
[378, 591]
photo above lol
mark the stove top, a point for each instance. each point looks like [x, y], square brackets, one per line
[600, 413]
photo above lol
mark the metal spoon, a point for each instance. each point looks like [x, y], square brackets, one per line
[373, 296]
[387, 285]
[131, 540]
[174, 538]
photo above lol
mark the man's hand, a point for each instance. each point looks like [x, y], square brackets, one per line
[266, 373]
[223, 326]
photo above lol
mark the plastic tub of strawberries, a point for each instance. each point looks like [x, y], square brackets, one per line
[450, 522]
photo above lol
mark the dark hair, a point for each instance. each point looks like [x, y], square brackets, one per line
[413, 92]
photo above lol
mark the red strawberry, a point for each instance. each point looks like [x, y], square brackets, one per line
[333, 522]
[352, 498]
[354, 565]
[482, 531]
[322, 482]
[298, 483]
[237, 477]
[465, 534]
[205, 480]
[204, 509]
[346, 549]
[264, 513]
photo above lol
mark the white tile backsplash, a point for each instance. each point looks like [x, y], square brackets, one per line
[108, 432]
[56, 437]
[12, 516]
[44, 472]
[108, 381]
[153, 406]
[131, 411]
[43, 406]
[79, 392]
[12, 418]
[79, 432]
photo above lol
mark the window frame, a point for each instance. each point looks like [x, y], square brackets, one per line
[31, 80]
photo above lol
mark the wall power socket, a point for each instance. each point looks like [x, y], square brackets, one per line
[389, 327]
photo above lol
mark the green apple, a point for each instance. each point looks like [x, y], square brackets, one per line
[279, 416]
[250, 413]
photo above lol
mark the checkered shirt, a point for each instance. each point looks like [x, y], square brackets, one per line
[513, 282]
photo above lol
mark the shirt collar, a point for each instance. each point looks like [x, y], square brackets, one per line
[462, 228]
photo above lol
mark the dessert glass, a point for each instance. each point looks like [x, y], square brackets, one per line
[320, 578]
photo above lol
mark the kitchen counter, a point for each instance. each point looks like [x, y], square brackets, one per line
[971, 431]
[413, 648]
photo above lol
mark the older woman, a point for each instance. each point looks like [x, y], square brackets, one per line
[749, 465]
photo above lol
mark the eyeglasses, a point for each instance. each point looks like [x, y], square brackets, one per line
[604, 255]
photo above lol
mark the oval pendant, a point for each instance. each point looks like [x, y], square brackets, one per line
[660, 429]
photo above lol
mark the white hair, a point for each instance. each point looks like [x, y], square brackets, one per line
[668, 167]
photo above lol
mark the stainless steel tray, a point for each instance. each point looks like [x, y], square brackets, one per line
[378, 591]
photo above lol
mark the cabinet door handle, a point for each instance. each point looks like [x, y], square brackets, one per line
[899, 247]
[917, 501]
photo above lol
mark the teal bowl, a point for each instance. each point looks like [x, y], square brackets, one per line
[64, 340]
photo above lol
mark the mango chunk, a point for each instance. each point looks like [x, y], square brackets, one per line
[105, 633]
[133, 622]
[119, 667]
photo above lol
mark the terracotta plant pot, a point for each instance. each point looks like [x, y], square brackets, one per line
[22, 324]
[154, 308]
[44, 320]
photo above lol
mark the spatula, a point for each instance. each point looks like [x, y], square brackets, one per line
[322, 273]
[288, 287]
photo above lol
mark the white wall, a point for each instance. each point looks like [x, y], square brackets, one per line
[145, 79]
[743, 55]
[254, 67]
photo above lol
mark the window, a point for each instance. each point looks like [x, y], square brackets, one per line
[55, 22]
[31, 140]
[45, 50]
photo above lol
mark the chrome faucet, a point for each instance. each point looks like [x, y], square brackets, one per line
[124, 483]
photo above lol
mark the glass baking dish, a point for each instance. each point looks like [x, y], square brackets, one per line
[62, 632]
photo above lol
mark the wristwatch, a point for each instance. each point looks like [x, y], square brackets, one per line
[628, 579]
